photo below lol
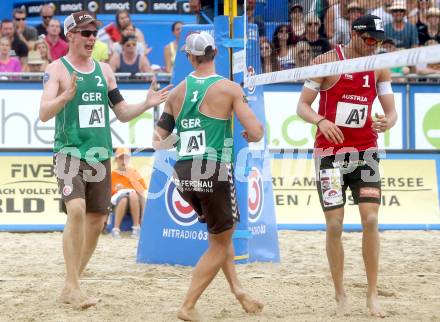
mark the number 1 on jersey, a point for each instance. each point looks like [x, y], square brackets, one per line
[366, 81]
[194, 98]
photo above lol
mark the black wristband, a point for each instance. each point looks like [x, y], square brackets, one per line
[317, 123]
[166, 122]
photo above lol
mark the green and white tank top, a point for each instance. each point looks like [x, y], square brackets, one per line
[83, 123]
[202, 136]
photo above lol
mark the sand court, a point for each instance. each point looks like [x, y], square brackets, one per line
[297, 289]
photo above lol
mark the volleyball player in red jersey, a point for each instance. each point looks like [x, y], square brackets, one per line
[346, 150]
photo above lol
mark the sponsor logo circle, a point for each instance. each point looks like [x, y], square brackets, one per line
[186, 8]
[332, 197]
[67, 190]
[251, 81]
[93, 6]
[255, 194]
[141, 6]
[431, 126]
[178, 209]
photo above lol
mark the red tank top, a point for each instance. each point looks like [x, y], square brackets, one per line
[348, 104]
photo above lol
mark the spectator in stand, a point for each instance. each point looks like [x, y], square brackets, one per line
[302, 54]
[42, 47]
[318, 44]
[283, 46]
[18, 48]
[383, 11]
[26, 34]
[57, 47]
[47, 12]
[296, 19]
[128, 192]
[412, 9]
[420, 18]
[432, 31]
[337, 26]
[403, 33]
[101, 50]
[355, 10]
[8, 63]
[35, 64]
[123, 19]
[170, 50]
[426, 69]
[141, 47]
[129, 61]
[250, 13]
[269, 62]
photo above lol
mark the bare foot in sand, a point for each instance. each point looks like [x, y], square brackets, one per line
[77, 299]
[188, 314]
[249, 304]
[342, 306]
[374, 306]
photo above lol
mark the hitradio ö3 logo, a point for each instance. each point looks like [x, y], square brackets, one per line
[178, 209]
[431, 126]
[255, 194]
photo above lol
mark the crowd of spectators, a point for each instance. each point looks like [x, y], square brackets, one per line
[311, 28]
[26, 48]
[315, 27]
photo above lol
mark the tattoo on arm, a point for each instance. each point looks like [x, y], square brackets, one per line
[245, 99]
[46, 77]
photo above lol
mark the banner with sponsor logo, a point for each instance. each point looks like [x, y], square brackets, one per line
[259, 211]
[20, 126]
[286, 130]
[66, 7]
[425, 117]
[410, 193]
[29, 197]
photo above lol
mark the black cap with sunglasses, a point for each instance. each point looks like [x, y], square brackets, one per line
[370, 24]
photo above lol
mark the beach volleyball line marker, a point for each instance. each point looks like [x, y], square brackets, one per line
[406, 57]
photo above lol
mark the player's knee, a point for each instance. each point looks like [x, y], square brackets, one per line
[122, 202]
[334, 228]
[369, 222]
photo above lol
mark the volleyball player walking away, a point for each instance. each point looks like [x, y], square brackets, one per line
[200, 109]
[78, 91]
[346, 150]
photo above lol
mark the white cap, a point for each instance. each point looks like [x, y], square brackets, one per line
[78, 19]
[196, 43]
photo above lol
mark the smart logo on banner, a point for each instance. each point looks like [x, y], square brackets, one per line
[178, 209]
[255, 194]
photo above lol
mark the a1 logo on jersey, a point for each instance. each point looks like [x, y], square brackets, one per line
[351, 115]
[178, 209]
[91, 116]
[255, 194]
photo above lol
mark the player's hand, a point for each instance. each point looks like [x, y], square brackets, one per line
[70, 91]
[380, 123]
[331, 132]
[156, 97]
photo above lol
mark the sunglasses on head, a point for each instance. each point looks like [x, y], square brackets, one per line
[370, 41]
[87, 33]
[20, 19]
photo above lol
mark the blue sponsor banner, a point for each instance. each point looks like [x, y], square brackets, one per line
[170, 232]
[257, 188]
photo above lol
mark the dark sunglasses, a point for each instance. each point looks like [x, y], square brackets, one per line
[20, 19]
[313, 24]
[87, 33]
[47, 17]
[371, 41]
[304, 52]
[130, 44]
[265, 47]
